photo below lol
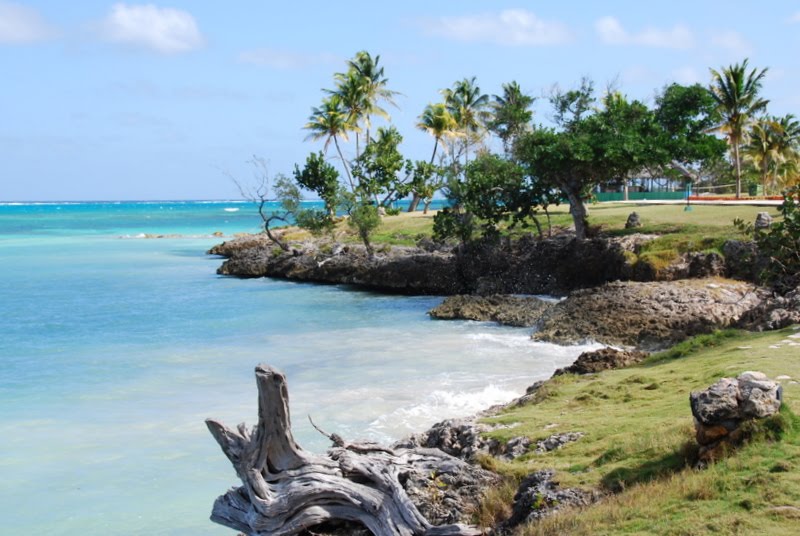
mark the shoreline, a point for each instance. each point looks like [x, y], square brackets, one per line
[649, 315]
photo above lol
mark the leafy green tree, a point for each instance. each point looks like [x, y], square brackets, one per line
[364, 218]
[618, 139]
[377, 169]
[318, 222]
[511, 114]
[331, 121]
[572, 105]
[736, 93]
[425, 179]
[685, 114]
[496, 192]
[492, 190]
[452, 223]
[605, 145]
[780, 244]
[321, 178]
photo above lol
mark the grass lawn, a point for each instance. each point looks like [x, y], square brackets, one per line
[705, 227]
[639, 444]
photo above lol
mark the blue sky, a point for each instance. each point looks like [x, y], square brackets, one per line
[104, 100]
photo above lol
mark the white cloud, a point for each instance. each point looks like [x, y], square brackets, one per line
[511, 27]
[20, 25]
[612, 32]
[164, 30]
[283, 59]
[795, 18]
[731, 41]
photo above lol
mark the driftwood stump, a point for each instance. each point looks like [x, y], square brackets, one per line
[287, 490]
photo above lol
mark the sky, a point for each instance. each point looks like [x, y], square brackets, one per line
[156, 101]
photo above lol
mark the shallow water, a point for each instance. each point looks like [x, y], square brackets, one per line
[115, 349]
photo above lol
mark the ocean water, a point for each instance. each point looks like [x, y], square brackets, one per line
[116, 346]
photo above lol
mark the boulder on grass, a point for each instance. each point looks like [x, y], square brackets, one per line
[720, 410]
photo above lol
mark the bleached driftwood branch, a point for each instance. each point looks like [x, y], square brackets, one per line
[286, 490]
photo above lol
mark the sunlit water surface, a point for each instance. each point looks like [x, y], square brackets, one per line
[116, 347]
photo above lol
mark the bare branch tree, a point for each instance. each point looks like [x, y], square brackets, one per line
[258, 192]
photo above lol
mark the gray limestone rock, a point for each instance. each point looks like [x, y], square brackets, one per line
[539, 496]
[633, 221]
[763, 221]
[556, 441]
[720, 410]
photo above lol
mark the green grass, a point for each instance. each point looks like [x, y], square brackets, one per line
[402, 230]
[705, 228]
[639, 444]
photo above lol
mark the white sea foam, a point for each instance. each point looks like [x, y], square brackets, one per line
[231, 209]
[506, 340]
[437, 406]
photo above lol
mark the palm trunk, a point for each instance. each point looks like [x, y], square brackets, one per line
[738, 168]
[412, 207]
[344, 163]
[435, 146]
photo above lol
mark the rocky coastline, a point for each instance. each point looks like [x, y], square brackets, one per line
[652, 309]
[606, 298]
[554, 266]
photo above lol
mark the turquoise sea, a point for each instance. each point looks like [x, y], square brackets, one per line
[116, 346]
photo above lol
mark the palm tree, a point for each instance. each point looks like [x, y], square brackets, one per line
[762, 149]
[373, 86]
[735, 92]
[351, 92]
[330, 121]
[512, 114]
[787, 173]
[437, 121]
[774, 148]
[467, 105]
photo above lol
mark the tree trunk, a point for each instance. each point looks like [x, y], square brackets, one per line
[416, 199]
[738, 169]
[287, 490]
[367, 244]
[267, 221]
[435, 146]
[412, 207]
[549, 223]
[578, 211]
[427, 205]
[344, 163]
[538, 226]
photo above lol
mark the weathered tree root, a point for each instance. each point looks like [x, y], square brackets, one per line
[287, 490]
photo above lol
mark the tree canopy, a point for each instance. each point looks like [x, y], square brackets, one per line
[596, 145]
